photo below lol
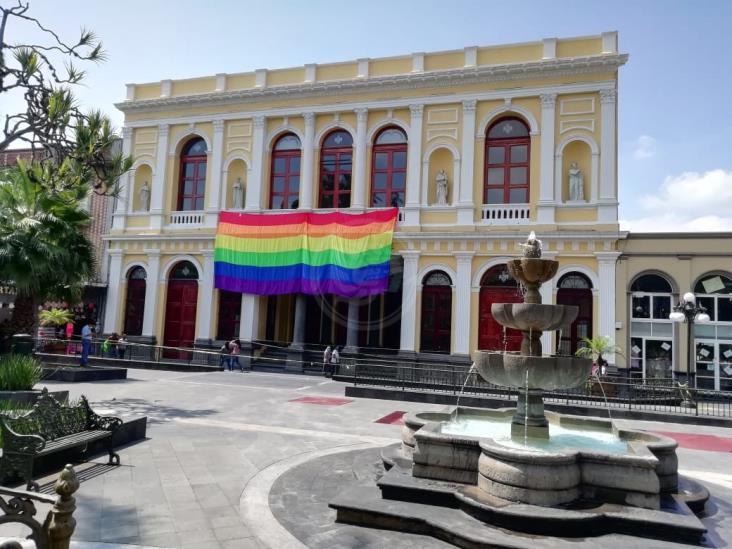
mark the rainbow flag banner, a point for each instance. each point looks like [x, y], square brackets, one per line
[311, 253]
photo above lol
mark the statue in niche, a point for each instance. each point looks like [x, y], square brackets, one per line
[576, 183]
[144, 196]
[238, 195]
[441, 182]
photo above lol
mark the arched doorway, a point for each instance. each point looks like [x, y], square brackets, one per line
[497, 286]
[651, 330]
[180, 309]
[575, 289]
[436, 313]
[135, 302]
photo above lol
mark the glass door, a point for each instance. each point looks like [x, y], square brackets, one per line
[714, 365]
[654, 356]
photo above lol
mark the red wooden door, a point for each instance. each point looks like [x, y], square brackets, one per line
[490, 333]
[180, 316]
[134, 306]
[582, 325]
[436, 319]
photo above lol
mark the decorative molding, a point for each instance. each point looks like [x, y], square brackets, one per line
[434, 133]
[565, 106]
[451, 115]
[183, 135]
[594, 147]
[218, 125]
[608, 96]
[381, 124]
[416, 110]
[548, 99]
[529, 70]
[504, 109]
[587, 124]
[362, 114]
[335, 124]
[308, 117]
[258, 121]
[469, 105]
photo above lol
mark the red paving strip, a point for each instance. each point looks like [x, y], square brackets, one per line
[691, 441]
[324, 401]
[395, 418]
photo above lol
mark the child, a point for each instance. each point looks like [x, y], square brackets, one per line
[121, 346]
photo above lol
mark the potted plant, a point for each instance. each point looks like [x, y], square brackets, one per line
[595, 348]
[57, 318]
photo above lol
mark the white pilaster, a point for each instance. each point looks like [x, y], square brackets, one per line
[547, 298]
[606, 287]
[220, 82]
[418, 62]
[610, 42]
[159, 178]
[471, 56]
[152, 284]
[409, 300]
[547, 198]
[461, 309]
[254, 179]
[205, 293]
[466, 207]
[213, 196]
[111, 312]
[363, 68]
[130, 95]
[260, 78]
[166, 88]
[414, 160]
[308, 154]
[358, 192]
[249, 319]
[124, 201]
[608, 144]
[310, 69]
[549, 46]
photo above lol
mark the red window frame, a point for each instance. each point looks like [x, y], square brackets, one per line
[343, 156]
[290, 196]
[389, 191]
[199, 163]
[506, 144]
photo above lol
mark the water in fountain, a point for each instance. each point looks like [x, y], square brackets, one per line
[526, 425]
[604, 396]
[471, 370]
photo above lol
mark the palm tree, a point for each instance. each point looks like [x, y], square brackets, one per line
[597, 346]
[44, 252]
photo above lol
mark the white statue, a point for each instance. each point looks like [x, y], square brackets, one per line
[144, 196]
[441, 181]
[238, 194]
[576, 183]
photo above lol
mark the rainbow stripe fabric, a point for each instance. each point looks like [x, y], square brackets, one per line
[311, 253]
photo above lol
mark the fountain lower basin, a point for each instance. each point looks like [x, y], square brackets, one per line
[603, 463]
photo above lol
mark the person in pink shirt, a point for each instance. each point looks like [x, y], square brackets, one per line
[235, 350]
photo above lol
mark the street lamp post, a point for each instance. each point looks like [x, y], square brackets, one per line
[688, 311]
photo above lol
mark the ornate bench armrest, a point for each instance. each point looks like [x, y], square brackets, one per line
[95, 421]
[20, 444]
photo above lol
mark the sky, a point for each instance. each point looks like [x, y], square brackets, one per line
[675, 105]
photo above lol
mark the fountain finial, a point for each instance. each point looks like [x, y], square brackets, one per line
[532, 246]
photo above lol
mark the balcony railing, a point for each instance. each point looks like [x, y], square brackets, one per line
[186, 219]
[505, 214]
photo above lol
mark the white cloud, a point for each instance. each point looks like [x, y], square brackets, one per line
[645, 147]
[689, 202]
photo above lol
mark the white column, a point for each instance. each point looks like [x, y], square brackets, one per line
[205, 297]
[547, 297]
[358, 193]
[249, 319]
[124, 200]
[213, 198]
[547, 200]
[607, 210]
[111, 311]
[606, 267]
[152, 284]
[254, 179]
[461, 309]
[308, 155]
[409, 300]
[466, 207]
[159, 178]
[414, 165]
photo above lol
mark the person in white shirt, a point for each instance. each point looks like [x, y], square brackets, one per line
[335, 360]
[327, 354]
[86, 340]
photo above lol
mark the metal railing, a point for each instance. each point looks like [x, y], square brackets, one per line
[610, 393]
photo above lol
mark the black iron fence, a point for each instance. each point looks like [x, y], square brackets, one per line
[609, 392]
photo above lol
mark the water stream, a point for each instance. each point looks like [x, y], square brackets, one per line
[471, 370]
[604, 396]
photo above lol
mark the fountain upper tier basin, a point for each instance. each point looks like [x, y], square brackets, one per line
[532, 270]
[533, 316]
[547, 373]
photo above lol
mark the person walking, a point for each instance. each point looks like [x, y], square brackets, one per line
[327, 354]
[86, 340]
[224, 360]
[235, 347]
[121, 346]
[335, 361]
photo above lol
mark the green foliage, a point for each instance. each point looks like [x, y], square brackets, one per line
[19, 372]
[596, 347]
[55, 317]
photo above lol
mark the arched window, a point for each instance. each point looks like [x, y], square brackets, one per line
[436, 313]
[497, 286]
[135, 302]
[192, 187]
[651, 331]
[336, 164]
[389, 168]
[713, 339]
[575, 289]
[285, 174]
[507, 157]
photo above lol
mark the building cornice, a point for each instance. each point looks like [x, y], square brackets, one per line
[546, 68]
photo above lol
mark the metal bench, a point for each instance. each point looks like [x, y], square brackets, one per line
[48, 428]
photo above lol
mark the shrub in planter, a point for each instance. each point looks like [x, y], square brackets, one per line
[19, 372]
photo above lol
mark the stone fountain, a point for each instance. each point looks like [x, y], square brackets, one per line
[529, 470]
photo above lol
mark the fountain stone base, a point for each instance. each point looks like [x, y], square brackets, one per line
[530, 415]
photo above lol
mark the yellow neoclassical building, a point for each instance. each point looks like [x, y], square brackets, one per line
[476, 147]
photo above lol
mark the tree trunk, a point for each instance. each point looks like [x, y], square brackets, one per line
[24, 315]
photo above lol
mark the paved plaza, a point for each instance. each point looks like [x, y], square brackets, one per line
[242, 460]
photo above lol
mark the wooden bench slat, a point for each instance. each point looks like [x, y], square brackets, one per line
[71, 441]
